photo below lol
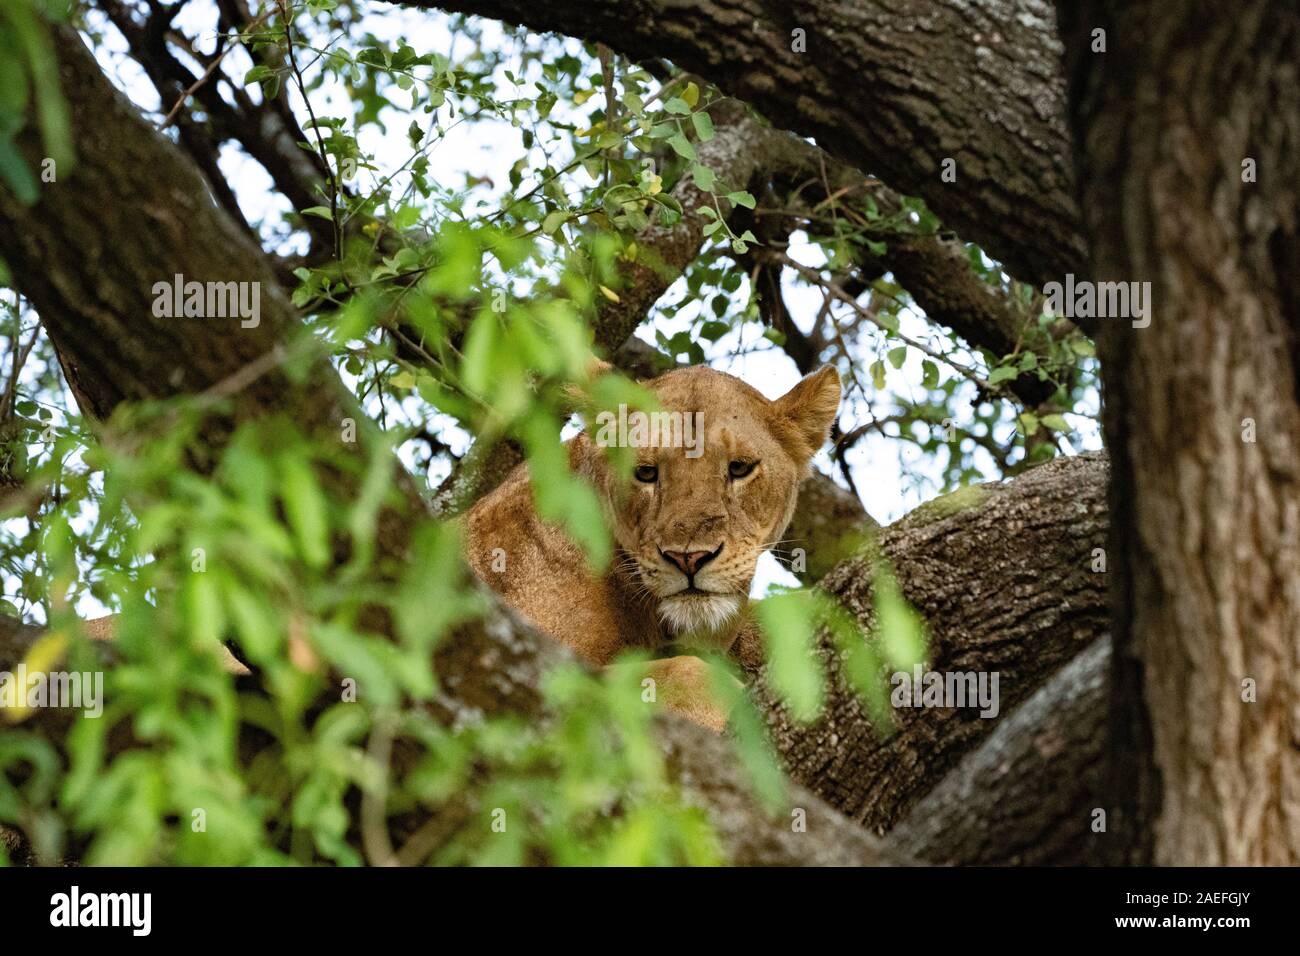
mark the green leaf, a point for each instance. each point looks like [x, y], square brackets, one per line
[703, 126]
[553, 221]
[742, 198]
[789, 623]
[1002, 373]
[51, 108]
[15, 173]
[897, 356]
[899, 627]
[703, 177]
[678, 106]
[480, 348]
[304, 507]
[929, 374]
[878, 373]
[322, 212]
[1057, 423]
[753, 744]
[682, 146]
[204, 617]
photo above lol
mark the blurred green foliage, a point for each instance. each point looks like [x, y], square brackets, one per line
[29, 84]
[244, 555]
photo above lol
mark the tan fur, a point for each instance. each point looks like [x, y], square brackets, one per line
[693, 506]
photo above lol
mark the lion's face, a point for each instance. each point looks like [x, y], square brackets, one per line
[710, 492]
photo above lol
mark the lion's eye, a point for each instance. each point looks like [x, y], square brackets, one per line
[739, 469]
[647, 473]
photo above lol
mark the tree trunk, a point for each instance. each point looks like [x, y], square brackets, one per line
[1189, 131]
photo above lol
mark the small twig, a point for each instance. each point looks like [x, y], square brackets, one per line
[374, 796]
[320, 140]
[671, 84]
[434, 832]
[20, 359]
[854, 435]
[607, 62]
[246, 375]
[207, 74]
[838, 453]
[812, 275]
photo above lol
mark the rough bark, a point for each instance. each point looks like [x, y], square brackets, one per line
[1029, 795]
[1202, 412]
[891, 88]
[1003, 575]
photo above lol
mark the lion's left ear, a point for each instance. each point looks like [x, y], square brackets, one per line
[811, 406]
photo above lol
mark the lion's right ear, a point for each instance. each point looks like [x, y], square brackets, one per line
[811, 406]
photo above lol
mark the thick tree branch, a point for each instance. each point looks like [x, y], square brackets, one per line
[1029, 795]
[1003, 575]
[268, 132]
[829, 525]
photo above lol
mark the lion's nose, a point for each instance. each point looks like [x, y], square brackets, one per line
[691, 561]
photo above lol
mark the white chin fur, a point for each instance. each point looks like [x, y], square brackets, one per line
[682, 614]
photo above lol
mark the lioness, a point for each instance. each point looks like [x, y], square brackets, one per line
[689, 525]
